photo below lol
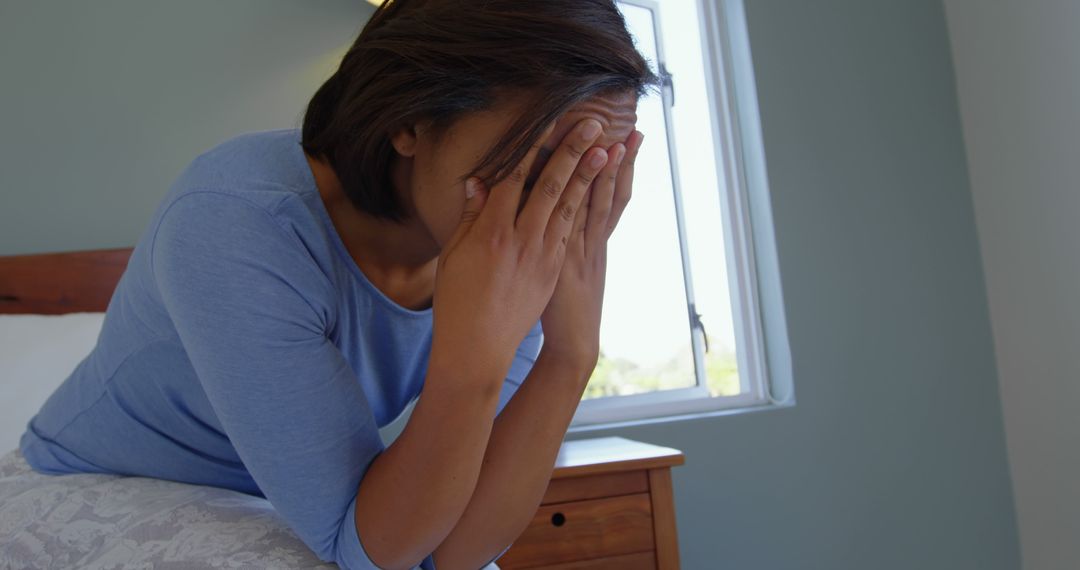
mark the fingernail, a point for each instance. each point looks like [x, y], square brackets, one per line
[470, 187]
[620, 152]
[598, 159]
[590, 130]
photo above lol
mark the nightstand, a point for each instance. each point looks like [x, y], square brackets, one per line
[609, 505]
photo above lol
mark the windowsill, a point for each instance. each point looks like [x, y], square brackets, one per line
[644, 418]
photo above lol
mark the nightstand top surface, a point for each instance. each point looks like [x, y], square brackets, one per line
[606, 454]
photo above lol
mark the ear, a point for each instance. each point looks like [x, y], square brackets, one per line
[404, 140]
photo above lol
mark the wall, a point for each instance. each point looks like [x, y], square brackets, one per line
[1019, 84]
[893, 457]
[103, 103]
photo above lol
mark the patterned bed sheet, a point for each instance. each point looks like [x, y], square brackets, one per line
[97, 521]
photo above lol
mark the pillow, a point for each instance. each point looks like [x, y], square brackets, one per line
[39, 352]
[93, 520]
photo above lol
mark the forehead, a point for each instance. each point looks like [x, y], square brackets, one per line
[617, 114]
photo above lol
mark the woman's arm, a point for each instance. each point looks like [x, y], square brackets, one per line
[526, 437]
[252, 309]
[416, 490]
[517, 463]
[495, 276]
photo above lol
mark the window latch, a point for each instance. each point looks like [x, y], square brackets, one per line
[696, 322]
[667, 82]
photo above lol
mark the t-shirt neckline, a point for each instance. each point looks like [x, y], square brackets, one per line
[339, 244]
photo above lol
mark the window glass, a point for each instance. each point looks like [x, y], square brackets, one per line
[646, 335]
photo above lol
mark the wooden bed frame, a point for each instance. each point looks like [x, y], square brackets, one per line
[59, 283]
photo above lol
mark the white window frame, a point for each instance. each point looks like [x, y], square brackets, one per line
[729, 83]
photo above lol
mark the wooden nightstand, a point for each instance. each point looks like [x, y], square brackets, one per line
[609, 505]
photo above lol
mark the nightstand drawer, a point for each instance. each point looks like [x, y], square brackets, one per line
[583, 530]
[596, 487]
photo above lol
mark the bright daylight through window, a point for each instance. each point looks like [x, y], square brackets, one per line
[672, 339]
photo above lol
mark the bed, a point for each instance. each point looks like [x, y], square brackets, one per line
[51, 310]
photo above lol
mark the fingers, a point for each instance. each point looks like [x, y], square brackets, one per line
[576, 243]
[504, 197]
[624, 182]
[601, 196]
[566, 214]
[562, 172]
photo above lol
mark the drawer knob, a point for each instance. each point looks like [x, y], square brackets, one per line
[558, 519]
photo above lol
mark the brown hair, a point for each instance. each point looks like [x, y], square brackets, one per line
[435, 60]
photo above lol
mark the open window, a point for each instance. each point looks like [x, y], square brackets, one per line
[682, 328]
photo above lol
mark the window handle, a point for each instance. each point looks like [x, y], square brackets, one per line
[697, 323]
[667, 82]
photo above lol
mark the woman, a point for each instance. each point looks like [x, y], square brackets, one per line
[296, 289]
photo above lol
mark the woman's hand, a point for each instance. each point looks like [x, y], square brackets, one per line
[498, 271]
[571, 321]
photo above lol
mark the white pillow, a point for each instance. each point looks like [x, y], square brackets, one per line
[37, 353]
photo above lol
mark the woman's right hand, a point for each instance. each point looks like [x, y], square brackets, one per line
[499, 269]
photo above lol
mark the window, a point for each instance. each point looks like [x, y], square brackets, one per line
[681, 331]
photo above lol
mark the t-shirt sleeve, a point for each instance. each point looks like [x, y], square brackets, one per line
[524, 359]
[252, 309]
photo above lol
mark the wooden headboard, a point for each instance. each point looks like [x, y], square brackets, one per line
[58, 283]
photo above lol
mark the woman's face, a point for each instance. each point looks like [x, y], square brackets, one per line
[431, 170]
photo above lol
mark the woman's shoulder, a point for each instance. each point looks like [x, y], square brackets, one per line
[244, 204]
[245, 180]
[247, 199]
[263, 167]
[227, 248]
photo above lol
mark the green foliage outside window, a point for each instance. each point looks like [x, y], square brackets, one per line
[620, 377]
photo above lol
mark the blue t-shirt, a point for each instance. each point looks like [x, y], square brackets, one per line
[243, 348]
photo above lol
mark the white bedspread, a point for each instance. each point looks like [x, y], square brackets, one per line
[97, 521]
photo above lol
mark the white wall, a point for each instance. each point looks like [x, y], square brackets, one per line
[1018, 74]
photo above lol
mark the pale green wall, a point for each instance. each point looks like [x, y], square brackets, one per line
[893, 457]
[103, 103]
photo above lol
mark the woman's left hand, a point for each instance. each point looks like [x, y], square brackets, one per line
[571, 320]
